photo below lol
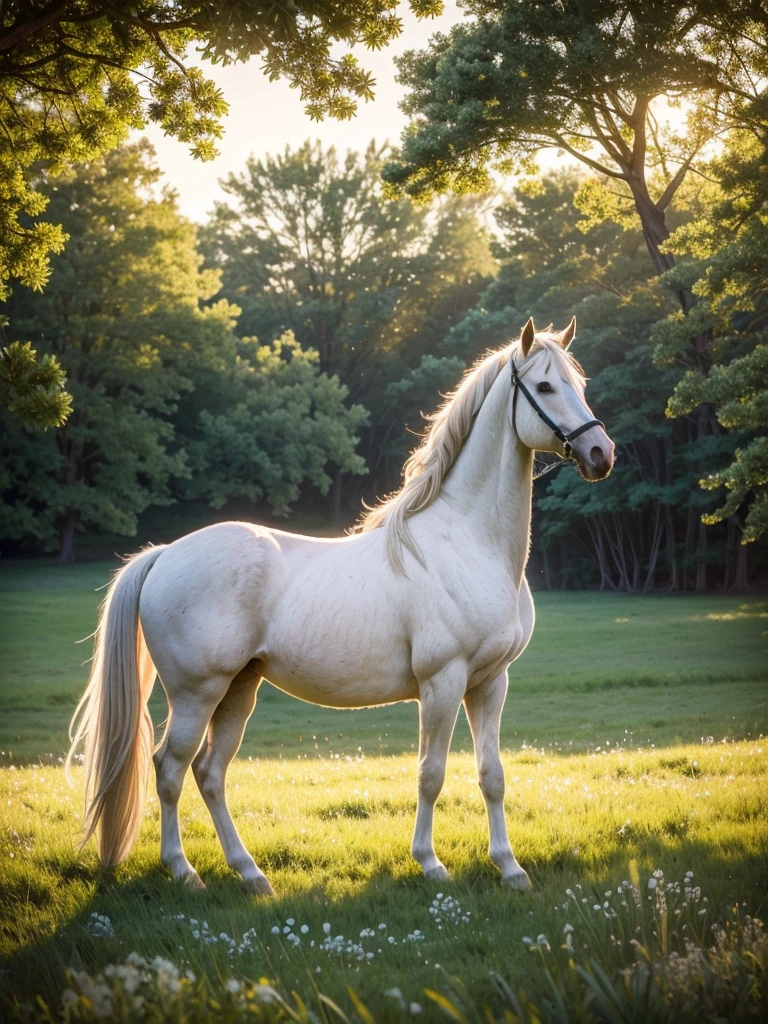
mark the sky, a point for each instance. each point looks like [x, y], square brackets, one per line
[265, 117]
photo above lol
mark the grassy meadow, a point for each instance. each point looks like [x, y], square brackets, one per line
[633, 739]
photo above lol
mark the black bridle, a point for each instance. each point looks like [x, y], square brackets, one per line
[518, 385]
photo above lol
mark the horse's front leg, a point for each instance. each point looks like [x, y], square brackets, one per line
[483, 706]
[439, 701]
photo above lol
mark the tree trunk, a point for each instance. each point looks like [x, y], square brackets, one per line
[655, 232]
[690, 533]
[66, 540]
[658, 532]
[730, 541]
[741, 582]
[337, 497]
[563, 564]
[545, 566]
[701, 565]
[674, 583]
[595, 532]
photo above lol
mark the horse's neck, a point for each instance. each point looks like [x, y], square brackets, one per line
[489, 488]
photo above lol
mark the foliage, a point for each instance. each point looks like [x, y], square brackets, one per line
[730, 250]
[579, 77]
[739, 391]
[587, 79]
[651, 972]
[720, 973]
[310, 243]
[288, 421]
[33, 392]
[583, 77]
[105, 317]
[155, 375]
[633, 531]
[77, 76]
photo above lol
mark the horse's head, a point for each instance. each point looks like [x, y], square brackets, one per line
[550, 413]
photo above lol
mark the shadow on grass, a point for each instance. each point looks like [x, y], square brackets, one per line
[144, 911]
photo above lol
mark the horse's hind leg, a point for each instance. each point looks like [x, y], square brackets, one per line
[191, 708]
[225, 734]
[483, 706]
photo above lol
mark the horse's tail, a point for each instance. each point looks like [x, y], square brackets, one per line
[113, 719]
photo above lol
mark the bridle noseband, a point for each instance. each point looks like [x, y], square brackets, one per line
[518, 385]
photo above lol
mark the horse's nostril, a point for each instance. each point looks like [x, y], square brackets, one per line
[597, 457]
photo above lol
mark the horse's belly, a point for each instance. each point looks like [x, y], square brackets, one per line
[347, 683]
[339, 639]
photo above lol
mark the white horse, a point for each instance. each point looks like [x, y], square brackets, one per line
[428, 601]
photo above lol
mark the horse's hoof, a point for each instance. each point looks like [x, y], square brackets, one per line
[194, 881]
[519, 881]
[259, 886]
[438, 874]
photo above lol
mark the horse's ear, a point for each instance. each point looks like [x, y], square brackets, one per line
[527, 336]
[566, 337]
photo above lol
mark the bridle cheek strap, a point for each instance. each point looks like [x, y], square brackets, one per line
[518, 385]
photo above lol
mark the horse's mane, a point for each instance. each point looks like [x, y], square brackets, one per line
[428, 465]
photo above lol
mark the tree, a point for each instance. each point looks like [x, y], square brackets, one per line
[77, 75]
[122, 314]
[729, 251]
[739, 390]
[168, 402]
[582, 77]
[309, 243]
[286, 423]
[638, 531]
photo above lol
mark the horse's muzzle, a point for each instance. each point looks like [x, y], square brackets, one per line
[598, 463]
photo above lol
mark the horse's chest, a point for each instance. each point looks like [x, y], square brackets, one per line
[480, 624]
[496, 650]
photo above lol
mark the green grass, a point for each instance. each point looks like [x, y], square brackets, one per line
[333, 837]
[600, 667]
[633, 742]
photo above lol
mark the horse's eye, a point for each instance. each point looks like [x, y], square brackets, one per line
[545, 388]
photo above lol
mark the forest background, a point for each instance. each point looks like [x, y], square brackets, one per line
[276, 360]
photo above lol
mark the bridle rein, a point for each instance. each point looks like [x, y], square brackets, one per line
[518, 386]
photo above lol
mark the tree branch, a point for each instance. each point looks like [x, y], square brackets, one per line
[19, 31]
[639, 146]
[594, 164]
[669, 192]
